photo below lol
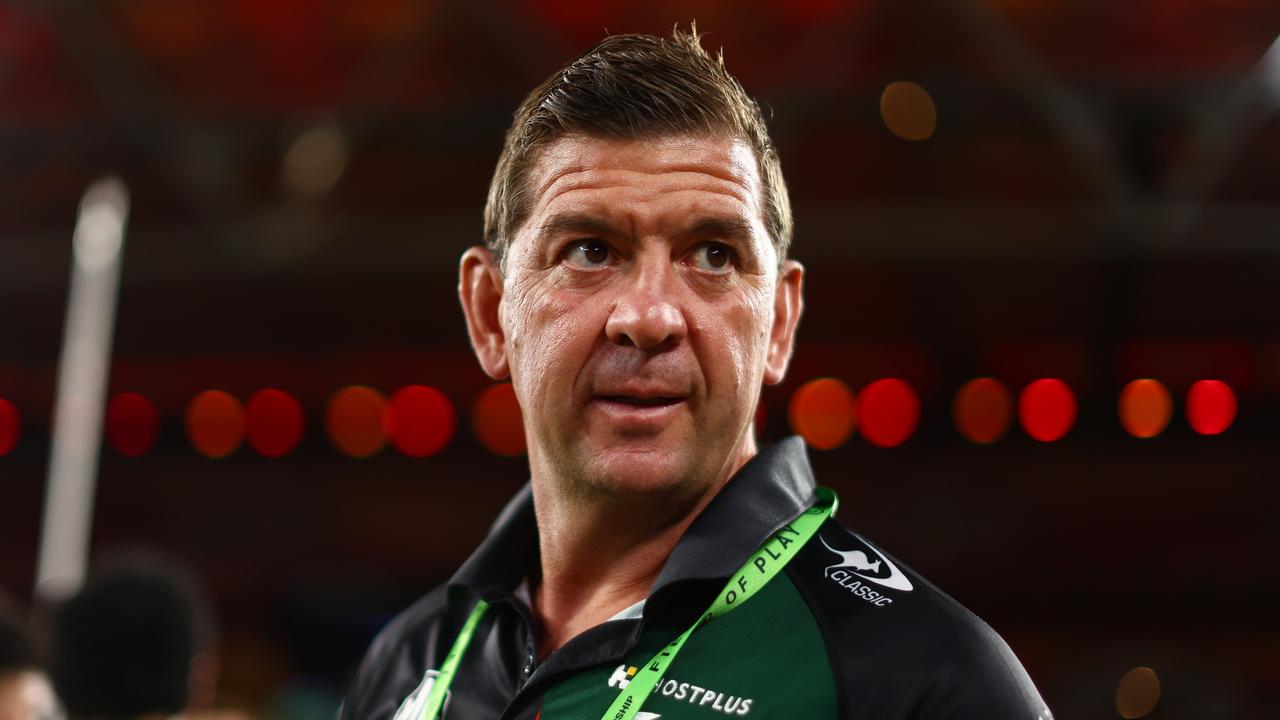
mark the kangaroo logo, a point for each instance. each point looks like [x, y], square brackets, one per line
[859, 562]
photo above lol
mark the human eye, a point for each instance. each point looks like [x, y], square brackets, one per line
[713, 257]
[589, 253]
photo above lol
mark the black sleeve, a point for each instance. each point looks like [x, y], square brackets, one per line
[978, 677]
[915, 652]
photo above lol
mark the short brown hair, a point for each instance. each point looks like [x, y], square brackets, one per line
[631, 87]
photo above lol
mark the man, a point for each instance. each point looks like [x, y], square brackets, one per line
[635, 289]
[133, 643]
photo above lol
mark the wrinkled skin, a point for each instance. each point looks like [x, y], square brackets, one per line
[641, 307]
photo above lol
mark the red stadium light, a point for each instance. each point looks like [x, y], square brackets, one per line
[215, 423]
[276, 422]
[983, 410]
[823, 412]
[10, 426]
[890, 412]
[497, 422]
[1047, 409]
[133, 424]
[1145, 408]
[423, 420]
[1211, 407]
[359, 421]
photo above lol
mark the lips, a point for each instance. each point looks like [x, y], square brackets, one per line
[639, 412]
[638, 401]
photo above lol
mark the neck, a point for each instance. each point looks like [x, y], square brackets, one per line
[602, 553]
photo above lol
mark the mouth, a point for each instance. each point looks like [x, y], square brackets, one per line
[641, 402]
[640, 414]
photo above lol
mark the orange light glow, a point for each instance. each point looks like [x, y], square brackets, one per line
[424, 420]
[359, 421]
[1145, 408]
[890, 412]
[1138, 693]
[132, 425]
[983, 409]
[908, 111]
[497, 422]
[1047, 409]
[1211, 407]
[10, 427]
[276, 422]
[215, 423]
[823, 412]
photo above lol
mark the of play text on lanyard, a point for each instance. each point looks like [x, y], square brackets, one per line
[759, 569]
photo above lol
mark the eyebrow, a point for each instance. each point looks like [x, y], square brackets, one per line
[576, 223]
[725, 227]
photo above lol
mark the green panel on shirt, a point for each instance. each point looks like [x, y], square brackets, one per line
[766, 659]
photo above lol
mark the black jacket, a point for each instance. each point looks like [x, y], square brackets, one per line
[845, 631]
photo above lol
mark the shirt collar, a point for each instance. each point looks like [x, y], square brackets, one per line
[507, 555]
[768, 491]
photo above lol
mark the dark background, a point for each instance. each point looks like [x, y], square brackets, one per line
[1099, 203]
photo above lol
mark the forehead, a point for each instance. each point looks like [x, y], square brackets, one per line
[712, 165]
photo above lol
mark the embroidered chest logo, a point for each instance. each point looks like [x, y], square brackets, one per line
[865, 563]
[683, 692]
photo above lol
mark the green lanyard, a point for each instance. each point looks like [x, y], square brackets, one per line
[759, 569]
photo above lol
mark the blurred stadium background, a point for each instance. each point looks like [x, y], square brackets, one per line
[1018, 190]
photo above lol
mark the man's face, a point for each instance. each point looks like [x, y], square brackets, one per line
[640, 311]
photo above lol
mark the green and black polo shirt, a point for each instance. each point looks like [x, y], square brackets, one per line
[846, 631]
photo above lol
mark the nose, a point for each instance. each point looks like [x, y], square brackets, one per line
[647, 312]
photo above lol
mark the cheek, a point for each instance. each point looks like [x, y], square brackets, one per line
[737, 337]
[549, 336]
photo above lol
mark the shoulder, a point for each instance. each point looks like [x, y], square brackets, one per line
[397, 659]
[898, 644]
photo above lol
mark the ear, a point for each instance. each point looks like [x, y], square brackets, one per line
[480, 291]
[788, 304]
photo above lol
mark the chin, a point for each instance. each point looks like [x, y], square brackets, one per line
[630, 469]
[678, 462]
